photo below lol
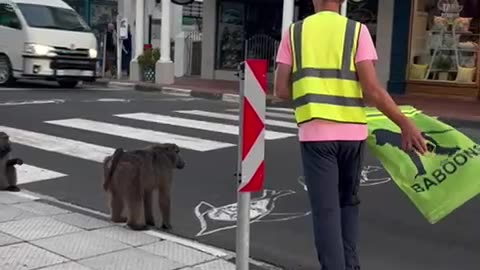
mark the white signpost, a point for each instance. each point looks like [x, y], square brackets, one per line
[251, 151]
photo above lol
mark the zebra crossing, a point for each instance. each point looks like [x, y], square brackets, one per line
[225, 122]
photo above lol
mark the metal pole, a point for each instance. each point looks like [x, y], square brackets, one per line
[343, 9]
[243, 198]
[119, 50]
[104, 54]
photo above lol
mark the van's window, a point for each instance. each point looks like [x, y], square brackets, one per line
[53, 18]
[8, 18]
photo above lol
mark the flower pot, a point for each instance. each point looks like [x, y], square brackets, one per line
[148, 74]
[443, 76]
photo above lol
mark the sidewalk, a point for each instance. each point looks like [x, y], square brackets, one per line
[36, 234]
[448, 109]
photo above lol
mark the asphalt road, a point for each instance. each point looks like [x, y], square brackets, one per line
[394, 235]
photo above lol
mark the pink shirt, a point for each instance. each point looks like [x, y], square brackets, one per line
[321, 130]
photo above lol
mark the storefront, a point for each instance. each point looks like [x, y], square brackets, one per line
[443, 49]
[253, 29]
[97, 13]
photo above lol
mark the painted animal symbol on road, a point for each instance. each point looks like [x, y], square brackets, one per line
[262, 209]
[214, 219]
[369, 177]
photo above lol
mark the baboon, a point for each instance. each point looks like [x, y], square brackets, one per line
[8, 172]
[130, 177]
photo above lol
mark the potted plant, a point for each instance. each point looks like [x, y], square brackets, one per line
[147, 62]
[443, 64]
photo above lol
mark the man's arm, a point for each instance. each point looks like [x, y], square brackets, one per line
[282, 83]
[283, 73]
[376, 94]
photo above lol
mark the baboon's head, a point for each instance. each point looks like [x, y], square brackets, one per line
[5, 146]
[172, 151]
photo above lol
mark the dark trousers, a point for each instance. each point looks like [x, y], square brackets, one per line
[332, 175]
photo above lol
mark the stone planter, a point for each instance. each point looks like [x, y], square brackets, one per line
[148, 74]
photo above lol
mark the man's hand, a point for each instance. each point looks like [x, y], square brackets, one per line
[374, 92]
[412, 138]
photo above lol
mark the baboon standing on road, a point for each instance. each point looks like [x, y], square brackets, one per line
[130, 177]
[8, 173]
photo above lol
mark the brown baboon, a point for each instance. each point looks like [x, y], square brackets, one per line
[130, 177]
[8, 172]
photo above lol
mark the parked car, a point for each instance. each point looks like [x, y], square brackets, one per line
[45, 39]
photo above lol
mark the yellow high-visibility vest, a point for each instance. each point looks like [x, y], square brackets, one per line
[325, 82]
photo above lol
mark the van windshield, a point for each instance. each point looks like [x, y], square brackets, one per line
[53, 18]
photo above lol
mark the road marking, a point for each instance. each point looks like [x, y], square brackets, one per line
[56, 144]
[152, 136]
[32, 102]
[271, 114]
[235, 118]
[197, 124]
[28, 174]
[278, 109]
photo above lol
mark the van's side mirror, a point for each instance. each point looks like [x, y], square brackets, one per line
[15, 23]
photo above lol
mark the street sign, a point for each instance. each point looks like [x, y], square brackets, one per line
[251, 149]
[253, 126]
[123, 30]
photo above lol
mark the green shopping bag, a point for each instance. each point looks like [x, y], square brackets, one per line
[440, 181]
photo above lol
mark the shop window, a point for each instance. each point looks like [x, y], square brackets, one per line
[230, 34]
[444, 43]
[366, 12]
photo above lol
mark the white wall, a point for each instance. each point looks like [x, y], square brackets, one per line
[384, 39]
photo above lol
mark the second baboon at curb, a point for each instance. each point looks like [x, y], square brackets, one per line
[130, 177]
[8, 172]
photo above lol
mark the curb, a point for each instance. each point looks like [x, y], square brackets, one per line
[271, 101]
[235, 98]
[226, 97]
[219, 253]
[106, 83]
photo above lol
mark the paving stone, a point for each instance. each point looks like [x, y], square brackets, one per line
[24, 256]
[127, 236]
[82, 221]
[80, 245]
[215, 265]
[12, 213]
[131, 259]
[41, 208]
[8, 240]
[178, 252]
[12, 198]
[67, 266]
[36, 228]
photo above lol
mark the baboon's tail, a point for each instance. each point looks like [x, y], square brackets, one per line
[115, 159]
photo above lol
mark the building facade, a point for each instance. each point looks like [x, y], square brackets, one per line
[424, 46]
[443, 47]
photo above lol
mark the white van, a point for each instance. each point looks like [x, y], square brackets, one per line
[45, 39]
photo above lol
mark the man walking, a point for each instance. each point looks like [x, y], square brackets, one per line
[325, 65]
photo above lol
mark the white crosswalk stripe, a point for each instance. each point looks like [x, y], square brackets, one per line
[204, 120]
[272, 114]
[29, 173]
[182, 141]
[279, 109]
[233, 117]
[197, 124]
[59, 145]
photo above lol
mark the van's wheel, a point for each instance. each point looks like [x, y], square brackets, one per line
[67, 84]
[6, 76]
